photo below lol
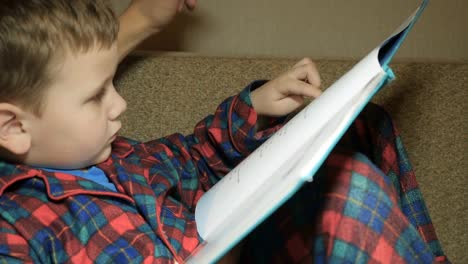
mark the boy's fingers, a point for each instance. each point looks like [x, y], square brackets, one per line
[307, 72]
[289, 104]
[303, 62]
[304, 89]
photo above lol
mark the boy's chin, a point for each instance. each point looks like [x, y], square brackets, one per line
[105, 154]
[100, 158]
[76, 164]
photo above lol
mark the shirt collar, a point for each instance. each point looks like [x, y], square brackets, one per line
[61, 185]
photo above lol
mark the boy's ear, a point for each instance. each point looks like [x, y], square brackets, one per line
[13, 137]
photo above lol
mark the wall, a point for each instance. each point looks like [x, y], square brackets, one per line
[316, 28]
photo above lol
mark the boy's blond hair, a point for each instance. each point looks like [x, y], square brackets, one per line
[36, 34]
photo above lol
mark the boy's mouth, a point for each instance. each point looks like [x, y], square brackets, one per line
[115, 135]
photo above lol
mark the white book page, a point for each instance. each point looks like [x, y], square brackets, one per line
[280, 185]
[283, 148]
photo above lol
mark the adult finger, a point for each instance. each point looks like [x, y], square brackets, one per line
[191, 4]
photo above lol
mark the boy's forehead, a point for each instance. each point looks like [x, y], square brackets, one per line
[86, 67]
[95, 63]
[95, 57]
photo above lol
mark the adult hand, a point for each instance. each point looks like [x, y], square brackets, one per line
[159, 13]
[144, 18]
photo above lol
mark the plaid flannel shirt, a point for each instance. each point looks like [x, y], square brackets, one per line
[50, 217]
[54, 217]
[364, 206]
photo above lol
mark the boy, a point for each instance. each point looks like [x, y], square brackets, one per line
[59, 110]
[72, 191]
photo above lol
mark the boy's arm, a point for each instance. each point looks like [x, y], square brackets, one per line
[222, 140]
[243, 122]
[218, 143]
[144, 18]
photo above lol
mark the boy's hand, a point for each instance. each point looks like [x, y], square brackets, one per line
[286, 93]
[159, 13]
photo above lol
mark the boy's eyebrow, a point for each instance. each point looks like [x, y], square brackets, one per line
[98, 89]
[100, 86]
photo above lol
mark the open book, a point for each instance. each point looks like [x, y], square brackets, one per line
[265, 180]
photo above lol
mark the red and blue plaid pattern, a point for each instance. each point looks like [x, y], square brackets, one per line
[364, 206]
[55, 217]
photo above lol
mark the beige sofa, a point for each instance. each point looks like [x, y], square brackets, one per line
[169, 92]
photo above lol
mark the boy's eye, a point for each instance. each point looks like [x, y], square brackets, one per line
[98, 97]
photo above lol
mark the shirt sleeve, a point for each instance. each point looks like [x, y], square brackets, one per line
[224, 139]
[219, 142]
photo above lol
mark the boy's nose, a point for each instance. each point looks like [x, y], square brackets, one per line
[119, 105]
